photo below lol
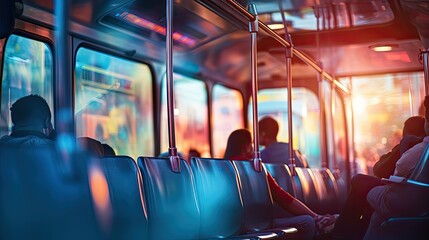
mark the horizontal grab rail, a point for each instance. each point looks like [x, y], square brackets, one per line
[241, 10]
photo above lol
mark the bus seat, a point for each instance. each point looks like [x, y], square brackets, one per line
[281, 174]
[305, 177]
[256, 195]
[171, 201]
[40, 199]
[129, 219]
[257, 200]
[327, 191]
[219, 198]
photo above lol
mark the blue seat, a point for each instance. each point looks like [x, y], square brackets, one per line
[43, 197]
[172, 207]
[257, 200]
[327, 191]
[281, 174]
[305, 179]
[129, 219]
[220, 202]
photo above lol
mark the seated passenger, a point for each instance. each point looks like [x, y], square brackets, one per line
[355, 216]
[92, 146]
[400, 200]
[31, 118]
[108, 150]
[274, 151]
[239, 147]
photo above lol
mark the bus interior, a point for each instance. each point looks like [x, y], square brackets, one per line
[339, 76]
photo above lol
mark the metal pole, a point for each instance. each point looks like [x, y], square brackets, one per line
[253, 29]
[288, 55]
[173, 155]
[426, 70]
[64, 104]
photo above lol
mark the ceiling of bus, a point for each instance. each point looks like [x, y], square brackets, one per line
[340, 34]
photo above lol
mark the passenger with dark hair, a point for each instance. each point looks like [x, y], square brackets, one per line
[92, 146]
[108, 150]
[239, 147]
[31, 118]
[193, 153]
[356, 213]
[274, 151]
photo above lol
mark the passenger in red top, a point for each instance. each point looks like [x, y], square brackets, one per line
[239, 147]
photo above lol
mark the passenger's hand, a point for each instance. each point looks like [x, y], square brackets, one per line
[325, 223]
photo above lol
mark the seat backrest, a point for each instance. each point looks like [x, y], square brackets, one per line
[39, 199]
[257, 200]
[171, 201]
[129, 219]
[327, 191]
[281, 174]
[219, 198]
[306, 179]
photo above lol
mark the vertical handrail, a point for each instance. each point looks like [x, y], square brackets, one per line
[323, 134]
[63, 83]
[288, 55]
[172, 150]
[253, 29]
[426, 71]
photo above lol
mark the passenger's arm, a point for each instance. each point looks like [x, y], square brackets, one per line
[287, 201]
[386, 165]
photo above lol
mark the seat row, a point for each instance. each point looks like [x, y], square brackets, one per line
[319, 189]
[210, 198]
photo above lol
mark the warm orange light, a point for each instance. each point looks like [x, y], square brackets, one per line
[100, 195]
[386, 48]
[276, 26]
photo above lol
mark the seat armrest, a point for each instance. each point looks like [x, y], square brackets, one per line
[394, 179]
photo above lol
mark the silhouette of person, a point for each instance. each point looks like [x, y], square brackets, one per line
[274, 151]
[108, 150]
[31, 118]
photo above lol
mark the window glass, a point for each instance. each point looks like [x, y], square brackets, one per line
[191, 116]
[114, 102]
[305, 119]
[340, 140]
[227, 116]
[381, 104]
[27, 70]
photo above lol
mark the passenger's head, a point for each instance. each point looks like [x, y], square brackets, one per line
[92, 146]
[108, 150]
[414, 126]
[31, 113]
[268, 130]
[193, 153]
[239, 145]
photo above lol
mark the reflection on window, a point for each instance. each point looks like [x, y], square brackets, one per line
[381, 104]
[305, 119]
[325, 16]
[227, 116]
[27, 70]
[191, 116]
[114, 102]
[340, 141]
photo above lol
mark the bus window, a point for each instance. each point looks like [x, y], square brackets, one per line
[306, 119]
[340, 141]
[191, 116]
[114, 102]
[381, 104]
[227, 108]
[27, 69]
